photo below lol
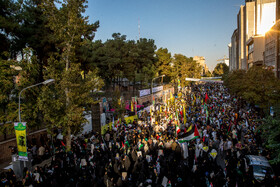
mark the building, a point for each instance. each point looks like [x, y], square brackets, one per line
[254, 19]
[271, 56]
[233, 52]
[201, 61]
[255, 48]
[241, 27]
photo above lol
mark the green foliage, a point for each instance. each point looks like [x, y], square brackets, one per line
[183, 67]
[63, 104]
[163, 62]
[29, 75]
[207, 74]
[8, 107]
[257, 86]
[221, 69]
[270, 131]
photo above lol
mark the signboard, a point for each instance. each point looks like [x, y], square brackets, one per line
[157, 89]
[20, 130]
[144, 92]
[203, 80]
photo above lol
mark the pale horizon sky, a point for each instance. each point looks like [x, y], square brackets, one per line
[189, 27]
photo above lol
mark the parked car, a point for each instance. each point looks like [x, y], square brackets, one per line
[260, 167]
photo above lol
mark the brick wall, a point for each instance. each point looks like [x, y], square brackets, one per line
[5, 151]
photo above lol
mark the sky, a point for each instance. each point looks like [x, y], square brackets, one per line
[189, 27]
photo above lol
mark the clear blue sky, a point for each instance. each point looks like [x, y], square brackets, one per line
[189, 27]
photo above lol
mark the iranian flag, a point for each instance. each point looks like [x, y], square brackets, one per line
[178, 130]
[190, 135]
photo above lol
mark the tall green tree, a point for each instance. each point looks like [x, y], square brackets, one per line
[270, 131]
[164, 59]
[63, 104]
[257, 86]
[8, 25]
[221, 69]
[183, 67]
[29, 75]
[8, 105]
[146, 60]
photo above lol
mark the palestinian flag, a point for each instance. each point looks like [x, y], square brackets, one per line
[190, 135]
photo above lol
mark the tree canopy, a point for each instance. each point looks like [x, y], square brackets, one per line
[221, 69]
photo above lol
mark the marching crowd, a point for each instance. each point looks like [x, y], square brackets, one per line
[198, 138]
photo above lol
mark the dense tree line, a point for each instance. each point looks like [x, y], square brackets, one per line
[51, 39]
[258, 86]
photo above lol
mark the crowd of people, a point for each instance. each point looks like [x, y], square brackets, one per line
[153, 151]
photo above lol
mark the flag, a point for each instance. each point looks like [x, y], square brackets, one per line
[135, 104]
[62, 143]
[191, 135]
[178, 130]
[184, 113]
[206, 98]
[113, 123]
[20, 131]
[127, 143]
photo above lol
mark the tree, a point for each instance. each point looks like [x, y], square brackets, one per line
[145, 61]
[221, 69]
[163, 62]
[8, 106]
[208, 74]
[270, 131]
[29, 75]
[257, 86]
[183, 67]
[63, 104]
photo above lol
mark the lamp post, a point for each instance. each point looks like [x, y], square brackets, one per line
[152, 85]
[45, 82]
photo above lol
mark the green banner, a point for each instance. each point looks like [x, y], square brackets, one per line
[20, 130]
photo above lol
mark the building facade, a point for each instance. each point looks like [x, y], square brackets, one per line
[254, 19]
[201, 61]
[271, 52]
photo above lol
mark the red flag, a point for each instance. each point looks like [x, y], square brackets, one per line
[206, 98]
[62, 144]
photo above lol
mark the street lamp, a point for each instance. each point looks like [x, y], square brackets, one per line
[152, 85]
[45, 82]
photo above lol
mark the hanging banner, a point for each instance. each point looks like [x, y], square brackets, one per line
[157, 89]
[144, 92]
[20, 130]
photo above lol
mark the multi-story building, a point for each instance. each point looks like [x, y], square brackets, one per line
[201, 61]
[254, 19]
[272, 50]
[233, 52]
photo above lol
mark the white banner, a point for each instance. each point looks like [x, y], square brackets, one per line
[144, 92]
[203, 80]
[157, 89]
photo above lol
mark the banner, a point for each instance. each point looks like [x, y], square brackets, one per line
[157, 89]
[144, 92]
[20, 130]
